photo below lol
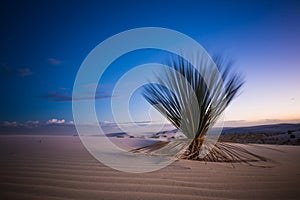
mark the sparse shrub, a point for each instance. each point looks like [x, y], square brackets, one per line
[194, 115]
[192, 102]
[292, 136]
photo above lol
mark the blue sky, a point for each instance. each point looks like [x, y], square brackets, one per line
[43, 44]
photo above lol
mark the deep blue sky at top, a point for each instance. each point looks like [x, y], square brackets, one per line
[43, 44]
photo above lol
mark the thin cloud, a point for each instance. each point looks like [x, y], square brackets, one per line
[10, 124]
[24, 72]
[35, 125]
[57, 97]
[10, 71]
[15, 124]
[32, 124]
[63, 88]
[54, 61]
[98, 86]
[65, 97]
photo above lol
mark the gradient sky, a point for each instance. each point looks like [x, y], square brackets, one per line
[43, 44]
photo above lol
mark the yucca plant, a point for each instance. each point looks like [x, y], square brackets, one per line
[192, 99]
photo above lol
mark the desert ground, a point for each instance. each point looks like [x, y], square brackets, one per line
[59, 167]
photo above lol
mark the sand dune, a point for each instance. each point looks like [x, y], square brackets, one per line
[58, 167]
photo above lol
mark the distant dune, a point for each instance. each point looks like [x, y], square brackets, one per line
[288, 134]
[271, 128]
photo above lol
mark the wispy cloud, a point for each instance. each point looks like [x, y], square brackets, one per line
[15, 124]
[34, 124]
[10, 124]
[65, 97]
[49, 127]
[10, 71]
[63, 88]
[24, 72]
[57, 97]
[54, 61]
[98, 86]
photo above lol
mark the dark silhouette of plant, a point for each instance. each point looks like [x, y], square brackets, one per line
[292, 136]
[192, 99]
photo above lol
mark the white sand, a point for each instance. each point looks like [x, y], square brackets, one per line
[58, 167]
